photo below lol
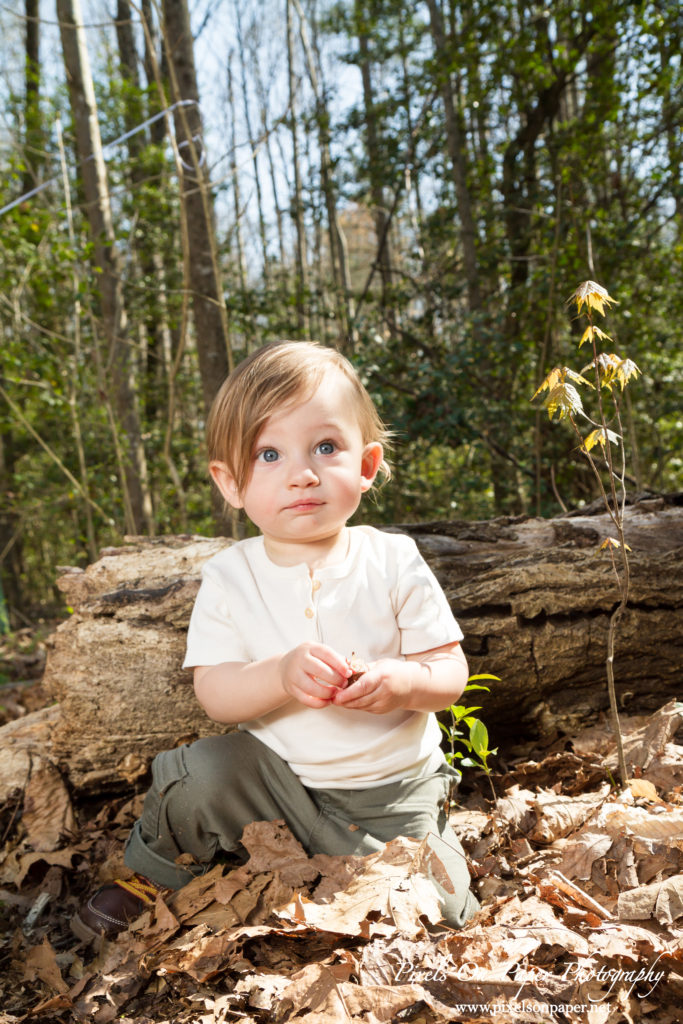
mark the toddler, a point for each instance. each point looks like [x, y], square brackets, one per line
[349, 762]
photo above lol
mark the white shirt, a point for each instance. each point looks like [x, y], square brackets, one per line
[382, 601]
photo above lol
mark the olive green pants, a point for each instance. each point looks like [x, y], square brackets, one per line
[203, 795]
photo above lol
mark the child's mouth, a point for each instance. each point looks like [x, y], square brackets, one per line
[304, 506]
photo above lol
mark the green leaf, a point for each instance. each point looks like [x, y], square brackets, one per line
[479, 737]
[467, 762]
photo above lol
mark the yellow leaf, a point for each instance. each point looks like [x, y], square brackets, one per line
[593, 296]
[611, 542]
[626, 369]
[643, 788]
[593, 332]
[563, 399]
[557, 378]
[601, 437]
[551, 381]
[613, 369]
[573, 375]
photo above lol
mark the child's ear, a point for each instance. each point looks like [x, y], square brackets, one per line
[225, 482]
[373, 453]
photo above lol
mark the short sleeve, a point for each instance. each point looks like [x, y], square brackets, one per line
[212, 637]
[423, 614]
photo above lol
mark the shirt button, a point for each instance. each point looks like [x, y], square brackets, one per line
[315, 585]
[309, 613]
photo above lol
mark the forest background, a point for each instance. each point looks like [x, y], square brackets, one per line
[422, 185]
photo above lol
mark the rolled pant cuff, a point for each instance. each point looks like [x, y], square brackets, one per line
[138, 857]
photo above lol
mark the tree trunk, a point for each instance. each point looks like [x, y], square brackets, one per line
[253, 146]
[341, 276]
[456, 151]
[297, 207]
[533, 597]
[378, 170]
[34, 142]
[237, 205]
[106, 259]
[266, 130]
[208, 304]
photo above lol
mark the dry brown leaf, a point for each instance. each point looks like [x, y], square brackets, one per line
[41, 965]
[469, 825]
[200, 952]
[316, 990]
[165, 924]
[618, 819]
[661, 900]
[643, 789]
[656, 860]
[631, 942]
[535, 918]
[197, 894]
[516, 807]
[263, 990]
[581, 852]
[16, 868]
[642, 746]
[389, 889]
[558, 815]
[272, 847]
[48, 815]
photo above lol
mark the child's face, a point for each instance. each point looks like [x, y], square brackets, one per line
[309, 468]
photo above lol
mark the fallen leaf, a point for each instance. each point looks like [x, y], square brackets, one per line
[558, 815]
[390, 889]
[272, 847]
[581, 852]
[643, 789]
[661, 900]
[642, 822]
[41, 965]
[516, 807]
[48, 815]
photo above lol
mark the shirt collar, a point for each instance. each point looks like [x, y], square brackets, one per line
[255, 551]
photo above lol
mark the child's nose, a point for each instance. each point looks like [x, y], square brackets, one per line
[303, 474]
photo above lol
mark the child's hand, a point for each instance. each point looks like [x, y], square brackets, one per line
[385, 686]
[313, 674]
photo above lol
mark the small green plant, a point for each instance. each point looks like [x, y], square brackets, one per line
[611, 373]
[476, 741]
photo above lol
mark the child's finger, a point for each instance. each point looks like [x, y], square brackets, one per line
[358, 695]
[305, 685]
[331, 658]
[324, 672]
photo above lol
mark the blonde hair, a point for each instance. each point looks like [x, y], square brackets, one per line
[269, 378]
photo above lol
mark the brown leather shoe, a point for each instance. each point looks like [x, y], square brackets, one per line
[111, 909]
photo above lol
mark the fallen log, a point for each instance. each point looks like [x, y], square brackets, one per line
[533, 597]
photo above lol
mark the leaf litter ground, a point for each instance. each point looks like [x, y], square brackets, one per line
[581, 892]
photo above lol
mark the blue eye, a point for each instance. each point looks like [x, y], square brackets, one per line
[326, 448]
[268, 455]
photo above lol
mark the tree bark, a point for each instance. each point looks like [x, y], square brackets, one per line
[253, 146]
[456, 150]
[297, 204]
[377, 168]
[341, 275]
[533, 597]
[34, 141]
[106, 259]
[208, 304]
